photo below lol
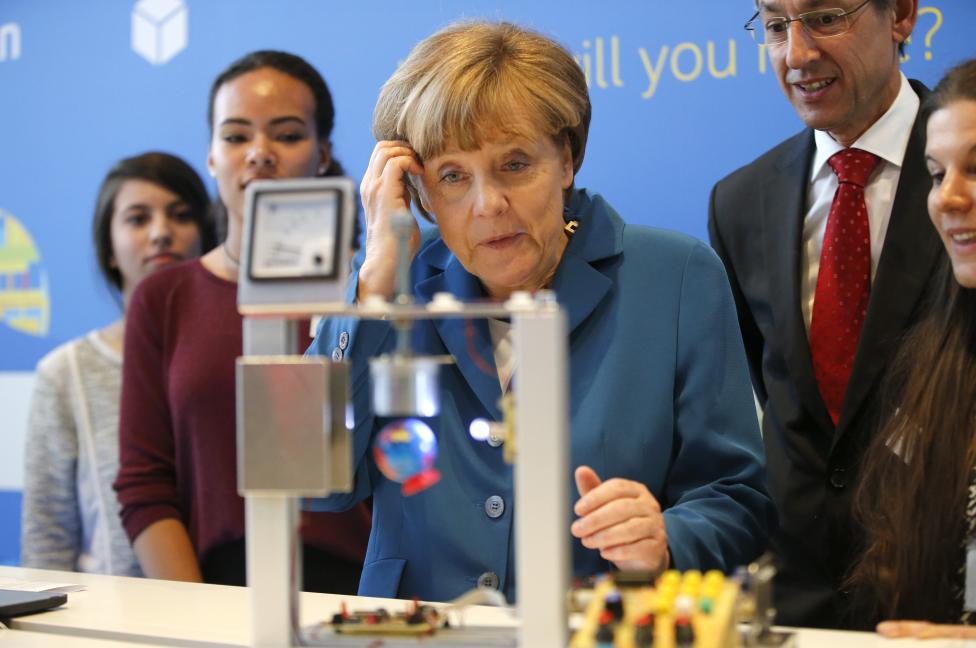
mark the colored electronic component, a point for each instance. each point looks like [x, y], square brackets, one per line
[614, 604]
[417, 620]
[644, 631]
[690, 610]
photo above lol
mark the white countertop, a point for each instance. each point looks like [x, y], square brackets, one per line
[155, 612]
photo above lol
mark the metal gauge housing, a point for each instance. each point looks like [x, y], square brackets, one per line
[297, 244]
[295, 235]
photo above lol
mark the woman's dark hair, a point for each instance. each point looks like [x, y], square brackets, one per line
[911, 500]
[165, 170]
[912, 496]
[959, 83]
[297, 68]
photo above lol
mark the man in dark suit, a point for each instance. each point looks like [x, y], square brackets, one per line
[824, 291]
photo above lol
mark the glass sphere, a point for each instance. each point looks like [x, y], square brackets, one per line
[405, 451]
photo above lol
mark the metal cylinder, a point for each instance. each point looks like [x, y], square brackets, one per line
[405, 385]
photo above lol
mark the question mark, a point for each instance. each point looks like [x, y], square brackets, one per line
[934, 28]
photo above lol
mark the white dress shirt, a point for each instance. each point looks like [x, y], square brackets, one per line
[888, 139]
[501, 342]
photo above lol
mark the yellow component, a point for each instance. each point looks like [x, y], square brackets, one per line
[670, 577]
[691, 583]
[396, 628]
[692, 576]
[668, 585]
[712, 584]
[712, 630]
[666, 599]
[709, 592]
[507, 405]
[662, 605]
[714, 575]
[688, 591]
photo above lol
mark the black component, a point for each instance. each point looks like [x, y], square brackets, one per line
[684, 634]
[338, 619]
[631, 579]
[741, 576]
[644, 635]
[614, 604]
[604, 634]
[583, 582]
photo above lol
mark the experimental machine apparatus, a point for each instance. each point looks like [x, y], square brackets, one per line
[293, 441]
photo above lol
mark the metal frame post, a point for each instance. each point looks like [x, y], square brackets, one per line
[541, 495]
[271, 521]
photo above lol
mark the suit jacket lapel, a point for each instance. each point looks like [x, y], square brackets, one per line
[578, 285]
[911, 249]
[468, 341]
[783, 207]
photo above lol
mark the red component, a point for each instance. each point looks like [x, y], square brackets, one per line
[420, 481]
[371, 619]
[606, 617]
[343, 610]
[645, 620]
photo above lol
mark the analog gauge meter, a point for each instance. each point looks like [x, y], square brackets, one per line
[295, 235]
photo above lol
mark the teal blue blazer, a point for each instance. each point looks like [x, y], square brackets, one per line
[659, 393]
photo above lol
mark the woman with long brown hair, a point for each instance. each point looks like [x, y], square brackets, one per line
[151, 212]
[917, 496]
[271, 117]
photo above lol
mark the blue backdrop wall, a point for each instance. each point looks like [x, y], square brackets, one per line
[681, 96]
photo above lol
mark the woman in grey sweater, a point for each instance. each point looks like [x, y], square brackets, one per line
[151, 211]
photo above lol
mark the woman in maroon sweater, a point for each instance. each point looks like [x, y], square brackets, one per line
[270, 116]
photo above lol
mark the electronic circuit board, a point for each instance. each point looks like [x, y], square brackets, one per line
[415, 625]
[679, 611]
[676, 610]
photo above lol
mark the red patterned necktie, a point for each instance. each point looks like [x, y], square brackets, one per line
[844, 279]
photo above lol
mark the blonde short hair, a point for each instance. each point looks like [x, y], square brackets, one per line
[474, 80]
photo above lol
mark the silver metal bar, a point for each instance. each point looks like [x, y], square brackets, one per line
[380, 310]
[270, 336]
[271, 532]
[541, 477]
[274, 567]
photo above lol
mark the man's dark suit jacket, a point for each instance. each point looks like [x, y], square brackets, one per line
[755, 224]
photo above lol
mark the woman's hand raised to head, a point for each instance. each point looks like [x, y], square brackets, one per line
[384, 192]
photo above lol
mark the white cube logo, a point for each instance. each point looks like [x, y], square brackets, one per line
[159, 29]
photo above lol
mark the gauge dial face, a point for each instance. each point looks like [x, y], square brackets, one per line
[295, 235]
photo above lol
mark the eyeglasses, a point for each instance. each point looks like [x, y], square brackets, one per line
[822, 23]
